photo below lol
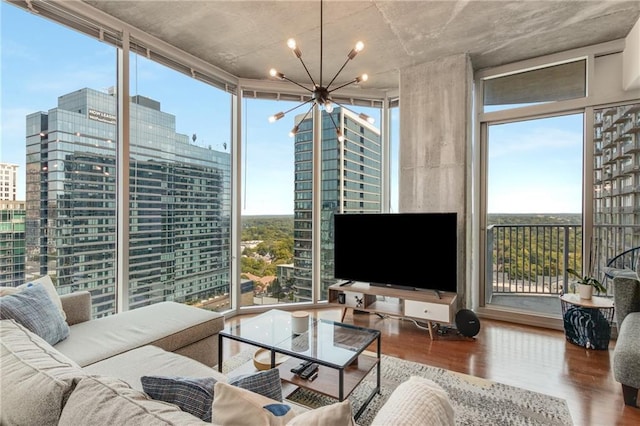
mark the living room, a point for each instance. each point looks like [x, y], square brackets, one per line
[442, 85]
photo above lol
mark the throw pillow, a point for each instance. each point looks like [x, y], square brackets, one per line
[193, 395]
[266, 383]
[234, 406]
[51, 290]
[103, 400]
[33, 308]
[48, 285]
[330, 415]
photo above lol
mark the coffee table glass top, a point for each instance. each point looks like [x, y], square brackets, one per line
[331, 342]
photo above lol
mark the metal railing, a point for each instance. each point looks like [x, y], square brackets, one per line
[533, 259]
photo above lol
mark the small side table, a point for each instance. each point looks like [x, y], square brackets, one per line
[587, 322]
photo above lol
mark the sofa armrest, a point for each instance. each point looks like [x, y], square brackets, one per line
[626, 297]
[77, 306]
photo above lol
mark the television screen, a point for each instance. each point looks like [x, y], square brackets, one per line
[407, 250]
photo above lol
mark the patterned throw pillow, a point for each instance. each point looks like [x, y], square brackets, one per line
[34, 309]
[266, 383]
[46, 283]
[192, 395]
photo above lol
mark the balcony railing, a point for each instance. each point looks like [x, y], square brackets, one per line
[533, 259]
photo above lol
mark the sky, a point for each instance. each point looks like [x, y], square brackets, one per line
[535, 167]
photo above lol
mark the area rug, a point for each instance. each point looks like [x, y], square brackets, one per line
[476, 401]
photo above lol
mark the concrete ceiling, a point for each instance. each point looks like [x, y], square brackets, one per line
[247, 38]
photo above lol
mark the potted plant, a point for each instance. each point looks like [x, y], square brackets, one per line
[586, 284]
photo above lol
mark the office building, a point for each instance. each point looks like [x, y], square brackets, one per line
[8, 181]
[179, 195]
[12, 243]
[351, 183]
[616, 174]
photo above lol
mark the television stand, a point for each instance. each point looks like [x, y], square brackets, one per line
[438, 307]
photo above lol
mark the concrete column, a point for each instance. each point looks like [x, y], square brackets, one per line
[435, 145]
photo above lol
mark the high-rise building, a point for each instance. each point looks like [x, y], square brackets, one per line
[8, 181]
[351, 183]
[616, 181]
[179, 203]
[12, 242]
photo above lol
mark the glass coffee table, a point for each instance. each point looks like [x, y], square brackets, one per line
[337, 348]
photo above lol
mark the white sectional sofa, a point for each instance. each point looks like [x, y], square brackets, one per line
[94, 375]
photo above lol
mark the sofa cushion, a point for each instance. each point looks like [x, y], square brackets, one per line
[168, 325]
[35, 379]
[234, 406]
[266, 383]
[109, 401]
[339, 413]
[150, 360]
[33, 308]
[417, 401]
[192, 395]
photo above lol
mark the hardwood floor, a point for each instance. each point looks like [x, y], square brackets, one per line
[536, 359]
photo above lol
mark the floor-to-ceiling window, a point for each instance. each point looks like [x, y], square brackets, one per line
[60, 137]
[556, 178]
[59, 130]
[616, 182]
[269, 172]
[532, 202]
[534, 210]
[351, 176]
[179, 189]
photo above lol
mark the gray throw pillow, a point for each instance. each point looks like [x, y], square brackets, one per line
[34, 309]
[266, 383]
[192, 395]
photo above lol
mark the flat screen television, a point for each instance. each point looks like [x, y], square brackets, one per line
[405, 250]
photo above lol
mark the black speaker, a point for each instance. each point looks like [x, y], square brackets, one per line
[467, 322]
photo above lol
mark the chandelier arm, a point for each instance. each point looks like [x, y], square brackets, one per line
[297, 106]
[308, 73]
[338, 73]
[305, 116]
[297, 84]
[333, 121]
[344, 85]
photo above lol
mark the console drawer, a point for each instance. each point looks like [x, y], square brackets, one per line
[437, 312]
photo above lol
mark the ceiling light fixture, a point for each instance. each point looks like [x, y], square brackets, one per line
[320, 94]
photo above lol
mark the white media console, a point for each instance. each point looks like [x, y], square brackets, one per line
[420, 305]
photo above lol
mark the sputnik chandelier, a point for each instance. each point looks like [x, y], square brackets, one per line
[320, 94]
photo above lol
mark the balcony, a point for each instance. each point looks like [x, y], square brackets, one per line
[526, 264]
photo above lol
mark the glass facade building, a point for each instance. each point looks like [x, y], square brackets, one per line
[179, 197]
[12, 243]
[351, 182]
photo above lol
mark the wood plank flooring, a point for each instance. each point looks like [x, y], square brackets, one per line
[536, 359]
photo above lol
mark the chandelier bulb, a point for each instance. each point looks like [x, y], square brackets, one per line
[367, 118]
[275, 73]
[358, 48]
[363, 77]
[340, 135]
[328, 106]
[276, 117]
[294, 131]
[293, 46]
